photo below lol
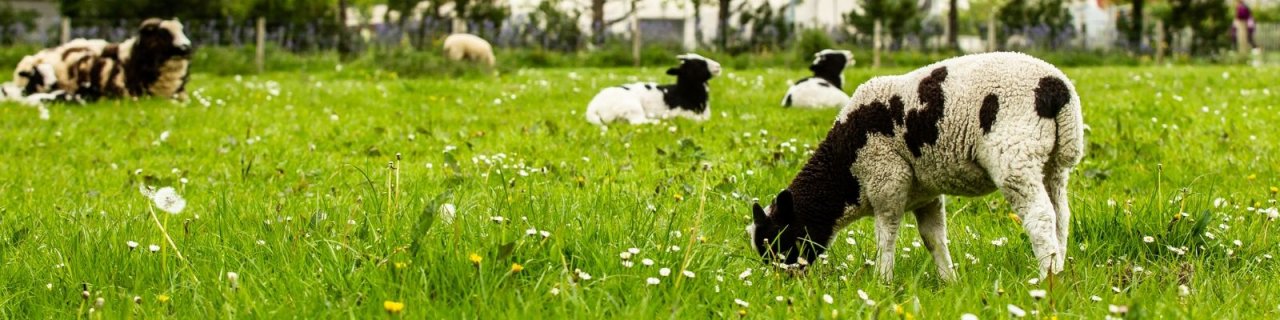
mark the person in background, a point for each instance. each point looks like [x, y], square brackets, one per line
[1243, 14]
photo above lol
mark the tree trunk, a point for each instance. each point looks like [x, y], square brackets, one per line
[344, 37]
[1135, 33]
[597, 21]
[953, 25]
[697, 22]
[722, 30]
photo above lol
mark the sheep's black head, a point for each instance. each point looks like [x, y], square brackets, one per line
[695, 68]
[831, 61]
[164, 38]
[776, 236]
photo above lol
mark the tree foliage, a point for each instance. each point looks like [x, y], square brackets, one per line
[897, 17]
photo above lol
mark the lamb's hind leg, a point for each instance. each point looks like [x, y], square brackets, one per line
[1056, 185]
[1025, 191]
[932, 218]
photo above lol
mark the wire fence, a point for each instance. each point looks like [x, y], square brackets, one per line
[519, 32]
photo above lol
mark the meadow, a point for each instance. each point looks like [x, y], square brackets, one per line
[347, 193]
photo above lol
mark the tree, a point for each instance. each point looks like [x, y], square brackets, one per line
[599, 25]
[896, 16]
[722, 28]
[953, 24]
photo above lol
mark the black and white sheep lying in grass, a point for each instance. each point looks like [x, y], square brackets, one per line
[153, 63]
[461, 46]
[963, 126]
[826, 87]
[647, 102]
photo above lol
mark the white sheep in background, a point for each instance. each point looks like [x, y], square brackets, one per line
[460, 46]
[963, 126]
[647, 102]
[826, 87]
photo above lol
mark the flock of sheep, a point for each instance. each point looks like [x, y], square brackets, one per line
[964, 126]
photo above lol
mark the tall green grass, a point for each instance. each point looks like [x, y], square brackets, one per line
[322, 190]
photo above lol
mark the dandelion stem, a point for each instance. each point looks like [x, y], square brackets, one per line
[165, 232]
[696, 231]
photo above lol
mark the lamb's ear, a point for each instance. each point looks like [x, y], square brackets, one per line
[783, 208]
[674, 71]
[26, 73]
[757, 213]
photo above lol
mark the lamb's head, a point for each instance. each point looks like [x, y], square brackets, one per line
[163, 38]
[695, 68]
[34, 75]
[776, 236]
[831, 61]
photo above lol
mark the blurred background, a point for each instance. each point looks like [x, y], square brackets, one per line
[645, 32]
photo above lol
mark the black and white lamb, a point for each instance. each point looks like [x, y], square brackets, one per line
[647, 102]
[826, 87]
[964, 126]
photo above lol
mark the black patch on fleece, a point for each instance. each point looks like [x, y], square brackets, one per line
[35, 81]
[1051, 96]
[648, 86]
[824, 84]
[922, 123]
[625, 88]
[787, 101]
[826, 186]
[987, 115]
[803, 80]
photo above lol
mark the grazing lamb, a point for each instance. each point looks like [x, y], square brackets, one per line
[964, 126]
[647, 102]
[460, 46]
[826, 87]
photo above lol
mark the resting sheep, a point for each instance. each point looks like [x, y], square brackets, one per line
[460, 46]
[647, 102]
[35, 74]
[963, 126]
[155, 62]
[826, 87]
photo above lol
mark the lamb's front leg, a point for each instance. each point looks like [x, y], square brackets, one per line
[932, 218]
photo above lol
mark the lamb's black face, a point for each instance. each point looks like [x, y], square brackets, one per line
[165, 37]
[831, 61]
[776, 238]
[35, 82]
[695, 68]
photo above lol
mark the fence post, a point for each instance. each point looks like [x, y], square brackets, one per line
[66, 29]
[991, 33]
[875, 45]
[635, 36]
[260, 57]
[1160, 44]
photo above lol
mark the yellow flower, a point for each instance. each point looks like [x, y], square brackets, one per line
[393, 306]
[516, 267]
[897, 308]
[1252, 177]
[475, 258]
[1015, 218]
[162, 298]
[401, 265]
[1275, 189]
[679, 197]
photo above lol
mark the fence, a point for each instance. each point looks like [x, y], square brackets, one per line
[518, 32]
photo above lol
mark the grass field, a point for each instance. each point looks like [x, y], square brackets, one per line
[287, 185]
